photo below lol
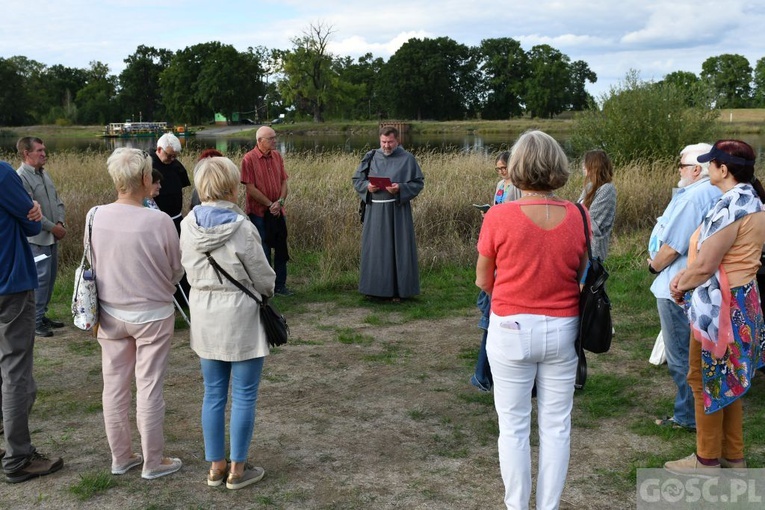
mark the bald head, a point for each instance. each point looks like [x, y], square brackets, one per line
[266, 139]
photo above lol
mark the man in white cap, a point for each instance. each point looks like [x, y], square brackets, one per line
[668, 249]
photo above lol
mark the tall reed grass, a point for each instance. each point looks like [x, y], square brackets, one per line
[322, 205]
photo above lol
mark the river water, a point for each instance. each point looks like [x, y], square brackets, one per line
[287, 143]
[290, 143]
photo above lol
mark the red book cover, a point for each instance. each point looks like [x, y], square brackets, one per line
[380, 182]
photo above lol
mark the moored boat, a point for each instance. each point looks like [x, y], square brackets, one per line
[143, 129]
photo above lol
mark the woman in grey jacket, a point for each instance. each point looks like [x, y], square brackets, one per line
[599, 197]
[225, 324]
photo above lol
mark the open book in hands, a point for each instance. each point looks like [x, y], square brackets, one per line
[380, 182]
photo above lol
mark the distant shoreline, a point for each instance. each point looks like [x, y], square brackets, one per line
[739, 121]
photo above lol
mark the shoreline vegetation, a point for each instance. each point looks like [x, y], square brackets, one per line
[732, 122]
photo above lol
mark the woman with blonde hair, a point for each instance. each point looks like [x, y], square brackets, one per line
[599, 197]
[226, 332]
[137, 263]
[532, 254]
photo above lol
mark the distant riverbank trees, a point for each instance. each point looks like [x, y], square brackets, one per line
[425, 79]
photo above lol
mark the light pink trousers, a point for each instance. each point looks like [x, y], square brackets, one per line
[140, 351]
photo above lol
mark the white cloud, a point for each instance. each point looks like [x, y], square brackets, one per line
[564, 41]
[357, 46]
[653, 36]
[674, 24]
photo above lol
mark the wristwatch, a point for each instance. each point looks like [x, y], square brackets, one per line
[652, 270]
[281, 201]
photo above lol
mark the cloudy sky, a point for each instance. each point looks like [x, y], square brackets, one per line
[654, 37]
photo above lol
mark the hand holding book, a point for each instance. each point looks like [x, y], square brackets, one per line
[380, 182]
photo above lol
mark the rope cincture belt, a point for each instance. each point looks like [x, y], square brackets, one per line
[383, 201]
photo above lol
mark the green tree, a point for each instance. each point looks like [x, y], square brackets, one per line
[210, 78]
[687, 82]
[179, 85]
[578, 97]
[59, 86]
[13, 94]
[548, 83]
[361, 78]
[267, 95]
[230, 82]
[681, 79]
[504, 68]
[140, 96]
[31, 72]
[729, 77]
[642, 120]
[96, 102]
[431, 79]
[310, 79]
[758, 95]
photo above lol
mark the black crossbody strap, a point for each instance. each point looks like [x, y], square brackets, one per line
[586, 229]
[231, 279]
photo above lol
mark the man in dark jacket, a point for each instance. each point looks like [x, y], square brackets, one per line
[20, 218]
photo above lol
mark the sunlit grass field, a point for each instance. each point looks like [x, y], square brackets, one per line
[322, 205]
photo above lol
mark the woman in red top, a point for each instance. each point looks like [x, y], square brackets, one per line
[532, 253]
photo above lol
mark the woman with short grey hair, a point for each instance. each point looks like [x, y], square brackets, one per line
[532, 253]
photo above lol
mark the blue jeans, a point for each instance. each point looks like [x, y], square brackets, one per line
[481, 379]
[245, 379]
[677, 336]
[46, 278]
[279, 265]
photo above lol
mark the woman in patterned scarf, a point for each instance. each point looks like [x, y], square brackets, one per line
[720, 293]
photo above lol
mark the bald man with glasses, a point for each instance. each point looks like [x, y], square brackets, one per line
[265, 179]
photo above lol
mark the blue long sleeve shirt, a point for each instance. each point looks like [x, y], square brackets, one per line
[17, 265]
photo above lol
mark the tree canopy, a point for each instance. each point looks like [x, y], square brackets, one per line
[426, 78]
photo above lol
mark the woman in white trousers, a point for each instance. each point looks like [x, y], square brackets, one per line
[532, 253]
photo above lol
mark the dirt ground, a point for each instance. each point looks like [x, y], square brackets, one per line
[389, 421]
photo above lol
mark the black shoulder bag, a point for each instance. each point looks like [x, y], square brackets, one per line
[595, 326]
[277, 330]
[362, 203]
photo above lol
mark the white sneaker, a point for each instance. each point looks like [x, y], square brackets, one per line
[133, 461]
[250, 475]
[168, 466]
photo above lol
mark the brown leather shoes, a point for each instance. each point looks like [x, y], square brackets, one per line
[38, 465]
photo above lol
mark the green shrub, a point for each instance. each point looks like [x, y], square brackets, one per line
[647, 121]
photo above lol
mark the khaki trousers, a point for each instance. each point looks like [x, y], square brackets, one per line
[720, 434]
